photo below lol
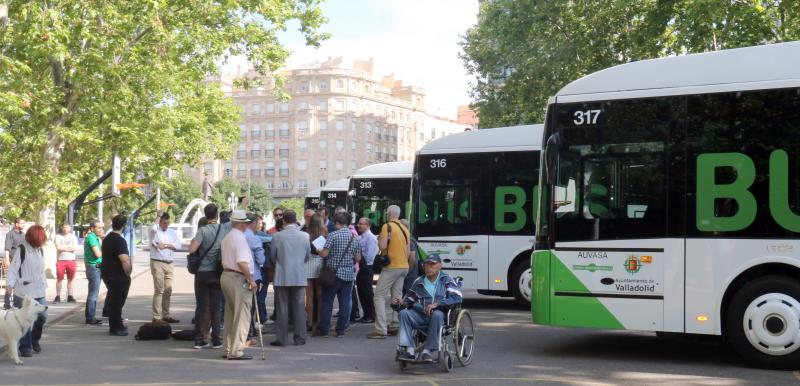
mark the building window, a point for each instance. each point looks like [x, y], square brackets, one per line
[270, 169]
[323, 145]
[323, 164]
[302, 146]
[241, 170]
[284, 107]
[255, 132]
[339, 164]
[270, 130]
[284, 184]
[323, 85]
[353, 145]
[302, 126]
[255, 152]
[284, 168]
[353, 165]
[369, 148]
[302, 106]
[302, 164]
[369, 128]
[270, 108]
[242, 152]
[339, 125]
[339, 105]
[339, 145]
[284, 151]
[323, 125]
[323, 105]
[302, 184]
[303, 86]
[256, 108]
[270, 151]
[339, 84]
[322, 183]
[255, 172]
[284, 131]
[353, 126]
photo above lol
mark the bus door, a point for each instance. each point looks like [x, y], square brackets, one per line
[451, 209]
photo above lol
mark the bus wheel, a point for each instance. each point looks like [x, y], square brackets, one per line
[763, 322]
[521, 283]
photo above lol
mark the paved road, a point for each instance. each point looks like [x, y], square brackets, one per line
[511, 351]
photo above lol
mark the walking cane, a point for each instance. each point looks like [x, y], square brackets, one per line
[258, 323]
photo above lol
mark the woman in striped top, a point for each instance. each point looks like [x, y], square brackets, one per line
[26, 276]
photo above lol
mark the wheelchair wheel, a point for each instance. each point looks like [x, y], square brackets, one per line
[403, 365]
[446, 361]
[464, 338]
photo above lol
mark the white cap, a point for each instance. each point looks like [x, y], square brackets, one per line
[239, 216]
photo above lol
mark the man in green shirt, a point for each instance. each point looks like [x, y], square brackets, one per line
[92, 257]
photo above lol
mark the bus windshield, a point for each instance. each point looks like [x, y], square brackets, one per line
[373, 196]
[609, 180]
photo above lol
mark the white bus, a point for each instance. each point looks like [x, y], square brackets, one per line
[334, 195]
[670, 201]
[312, 199]
[474, 196]
[373, 188]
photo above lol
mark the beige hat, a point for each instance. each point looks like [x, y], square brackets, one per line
[239, 216]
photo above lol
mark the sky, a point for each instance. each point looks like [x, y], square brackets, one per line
[416, 40]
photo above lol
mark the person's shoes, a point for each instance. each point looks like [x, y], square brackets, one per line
[118, 333]
[37, 348]
[244, 357]
[406, 356]
[272, 317]
[70, 299]
[337, 314]
[366, 320]
[309, 328]
[320, 334]
[426, 357]
[57, 300]
[299, 341]
[392, 331]
[216, 345]
[276, 343]
[25, 354]
[198, 344]
[376, 335]
[94, 322]
[170, 319]
[337, 334]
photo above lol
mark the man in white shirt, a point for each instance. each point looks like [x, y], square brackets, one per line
[237, 286]
[66, 243]
[164, 242]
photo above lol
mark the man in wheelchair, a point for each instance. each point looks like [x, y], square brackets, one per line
[421, 308]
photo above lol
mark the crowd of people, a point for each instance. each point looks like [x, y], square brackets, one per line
[234, 260]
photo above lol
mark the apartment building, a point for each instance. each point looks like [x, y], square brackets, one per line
[338, 119]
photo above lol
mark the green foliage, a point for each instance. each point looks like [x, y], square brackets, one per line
[521, 52]
[81, 80]
[259, 199]
[295, 204]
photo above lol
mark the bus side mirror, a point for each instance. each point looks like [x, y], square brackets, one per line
[551, 157]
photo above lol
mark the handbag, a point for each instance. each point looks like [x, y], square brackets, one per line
[193, 260]
[327, 275]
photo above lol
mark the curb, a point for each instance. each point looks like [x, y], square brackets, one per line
[57, 320]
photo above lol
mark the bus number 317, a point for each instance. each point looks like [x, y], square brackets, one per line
[439, 163]
[587, 117]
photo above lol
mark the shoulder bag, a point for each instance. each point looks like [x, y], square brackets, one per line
[327, 275]
[193, 260]
[382, 259]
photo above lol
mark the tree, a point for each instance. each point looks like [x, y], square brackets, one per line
[85, 79]
[521, 52]
[259, 198]
[295, 204]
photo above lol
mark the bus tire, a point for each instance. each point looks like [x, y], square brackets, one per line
[763, 322]
[521, 283]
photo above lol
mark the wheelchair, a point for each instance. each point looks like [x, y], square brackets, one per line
[456, 340]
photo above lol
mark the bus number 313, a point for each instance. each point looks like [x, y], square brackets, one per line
[439, 163]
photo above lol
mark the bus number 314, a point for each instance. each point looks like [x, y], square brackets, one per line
[439, 163]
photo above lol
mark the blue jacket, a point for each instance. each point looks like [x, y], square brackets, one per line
[447, 293]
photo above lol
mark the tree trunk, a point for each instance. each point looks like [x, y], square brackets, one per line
[47, 219]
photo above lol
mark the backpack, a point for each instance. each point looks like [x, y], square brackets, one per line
[183, 335]
[154, 331]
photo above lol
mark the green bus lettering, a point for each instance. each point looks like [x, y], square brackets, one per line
[779, 192]
[503, 207]
[708, 191]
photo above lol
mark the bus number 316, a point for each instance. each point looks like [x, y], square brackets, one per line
[439, 163]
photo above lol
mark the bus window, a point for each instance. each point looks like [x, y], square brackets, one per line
[452, 201]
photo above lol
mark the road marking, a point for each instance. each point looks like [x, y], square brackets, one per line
[796, 374]
[432, 382]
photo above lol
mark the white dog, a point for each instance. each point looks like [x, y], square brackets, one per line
[14, 323]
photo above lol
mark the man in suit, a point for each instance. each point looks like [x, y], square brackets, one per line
[289, 252]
